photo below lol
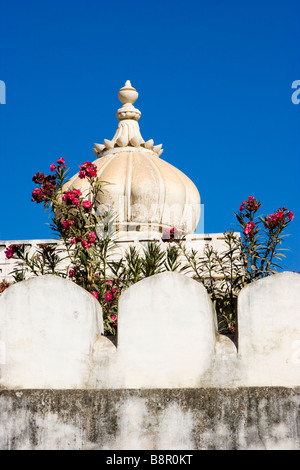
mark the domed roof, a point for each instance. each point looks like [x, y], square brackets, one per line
[148, 195]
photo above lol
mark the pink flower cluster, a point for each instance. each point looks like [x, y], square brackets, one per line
[112, 292]
[108, 296]
[250, 229]
[170, 234]
[90, 239]
[48, 186]
[10, 251]
[67, 224]
[71, 197]
[280, 217]
[38, 195]
[88, 169]
[85, 243]
[251, 204]
[60, 162]
[87, 205]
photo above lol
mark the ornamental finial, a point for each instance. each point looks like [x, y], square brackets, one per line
[128, 132]
[128, 95]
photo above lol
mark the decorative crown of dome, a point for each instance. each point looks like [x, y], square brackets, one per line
[147, 194]
[128, 132]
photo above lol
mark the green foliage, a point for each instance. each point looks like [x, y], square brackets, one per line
[153, 260]
[242, 260]
[172, 259]
[221, 273]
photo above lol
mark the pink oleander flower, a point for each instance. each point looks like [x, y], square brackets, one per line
[95, 294]
[61, 162]
[67, 224]
[108, 296]
[85, 244]
[39, 178]
[88, 169]
[47, 189]
[92, 237]
[71, 273]
[252, 204]
[250, 229]
[278, 219]
[73, 241]
[242, 206]
[70, 197]
[170, 234]
[108, 282]
[87, 205]
[37, 195]
[114, 319]
[10, 251]
[53, 167]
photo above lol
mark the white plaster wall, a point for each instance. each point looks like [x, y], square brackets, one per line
[167, 332]
[269, 331]
[207, 419]
[48, 326]
[50, 336]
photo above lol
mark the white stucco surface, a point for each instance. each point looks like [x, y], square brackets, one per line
[48, 326]
[167, 332]
[50, 336]
[269, 331]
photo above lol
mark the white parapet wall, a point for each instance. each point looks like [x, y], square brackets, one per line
[269, 331]
[48, 326]
[167, 332]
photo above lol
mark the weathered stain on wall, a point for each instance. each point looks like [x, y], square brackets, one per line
[157, 419]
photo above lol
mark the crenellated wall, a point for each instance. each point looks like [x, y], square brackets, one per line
[51, 336]
[171, 382]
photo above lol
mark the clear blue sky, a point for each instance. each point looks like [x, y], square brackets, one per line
[215, 88]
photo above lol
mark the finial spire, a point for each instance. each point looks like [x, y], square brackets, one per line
[128, 132]
[128, 95]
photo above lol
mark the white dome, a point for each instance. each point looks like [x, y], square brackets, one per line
[148, 194]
